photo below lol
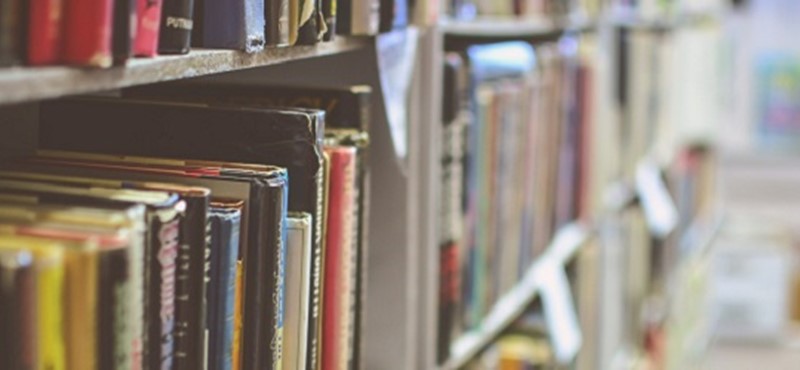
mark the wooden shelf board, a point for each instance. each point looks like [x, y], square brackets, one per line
[20, 84]
[512, 304]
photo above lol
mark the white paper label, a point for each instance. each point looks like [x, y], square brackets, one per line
[659, 209]
[559, 310]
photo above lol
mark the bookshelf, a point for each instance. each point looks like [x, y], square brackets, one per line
[403, 260]
[21, 84]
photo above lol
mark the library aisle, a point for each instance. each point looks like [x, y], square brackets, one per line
[399, 184]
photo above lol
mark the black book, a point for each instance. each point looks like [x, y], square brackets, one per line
[175, 34]
[163, 216]
[308, 31]
[123, 31]
[289, 138]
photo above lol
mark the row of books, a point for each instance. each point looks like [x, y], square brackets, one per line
[536, 9]
[515, 168]
[100, 33]
[188, 227]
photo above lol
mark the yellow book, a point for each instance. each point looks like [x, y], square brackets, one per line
[237, 319]
[49, 271]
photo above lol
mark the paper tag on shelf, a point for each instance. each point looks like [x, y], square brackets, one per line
[659, 209]
[560, 314]
[397, 55]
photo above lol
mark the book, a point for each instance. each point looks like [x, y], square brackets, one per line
[225, 217]
[308, 25]
[340, 247]
[260, 135]
[328, 10]
[164, 213]
[124, 30]
[298, 285]
[190, 272]
[87, 33]
[276, 13]
[256, 185]
[450, 234]
[12, 31]
[148, 21]
[44, 31]
[48, 267]
[234, 24]
[17, 307]
[175, 30]
[358, 17]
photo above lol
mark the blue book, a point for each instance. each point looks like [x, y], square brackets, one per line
[229, 24]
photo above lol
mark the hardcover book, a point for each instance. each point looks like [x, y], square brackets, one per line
[340, 245]
[175, 32]
[232, 24]
[12, 30]
[276, 13]
[298, 284]
[309, 23]
[124, 30]
[148, 20]
[17, 302]
[225, 217]
[358, 17]
[44, 31]
[87, 32]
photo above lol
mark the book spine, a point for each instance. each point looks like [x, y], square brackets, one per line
[11, 31]
[124, 30]
[225, 225]
[81, 308]
[264, 278]
[161, 269]
[308, 26]
[148, 20]
[113, 329]
[87, 32]
[190, 287]
[238, 317]
[328, 10]
[50, 351]
[44, 31]
[17, 323]
[175, 33]
[339, 244]
[314, 335]
[276, 13]
[235, 24]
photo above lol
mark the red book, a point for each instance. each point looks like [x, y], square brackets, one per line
[44, 31]
[339, 241]
[148, 22]
[87, 32]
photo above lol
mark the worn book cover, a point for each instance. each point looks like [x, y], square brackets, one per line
[124, 30]
[87, 32]
[231, 24]
[276, 13]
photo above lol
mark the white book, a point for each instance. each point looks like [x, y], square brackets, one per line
[298, 290]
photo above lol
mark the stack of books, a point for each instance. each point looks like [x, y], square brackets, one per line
[224, 230]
